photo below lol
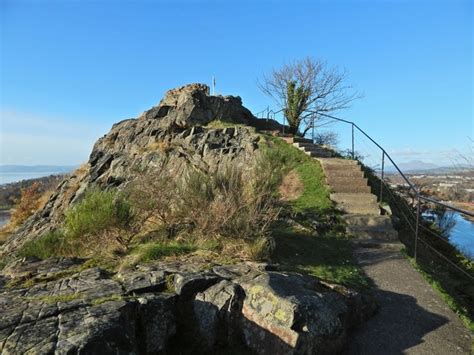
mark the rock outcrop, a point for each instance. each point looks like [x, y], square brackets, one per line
[60, 306]
[174, 131]
[194, 306]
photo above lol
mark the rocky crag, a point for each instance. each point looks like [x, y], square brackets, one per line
[173, 131]
[186, 306]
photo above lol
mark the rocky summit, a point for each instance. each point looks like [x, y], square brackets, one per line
[173, 131]
[189, 304]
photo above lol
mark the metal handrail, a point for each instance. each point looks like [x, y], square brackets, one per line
[354, 125]
[460, 210]
[417, 193]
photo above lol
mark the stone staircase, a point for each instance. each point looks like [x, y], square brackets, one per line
[352, 195]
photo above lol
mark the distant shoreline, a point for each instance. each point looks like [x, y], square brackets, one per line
[467, 207]
[4, 217]
[7, 178]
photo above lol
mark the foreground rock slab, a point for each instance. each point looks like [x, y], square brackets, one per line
[169, 308]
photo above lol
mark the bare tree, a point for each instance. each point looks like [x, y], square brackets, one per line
[306, 88]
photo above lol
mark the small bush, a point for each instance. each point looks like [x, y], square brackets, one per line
[28, 203]
[102, 214]
[51, 244]
[327, 138]
[262, 248]
[228, 203]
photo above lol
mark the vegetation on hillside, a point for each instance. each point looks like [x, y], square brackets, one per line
[309, 236]
[31, 198]
[236, 213]
[10, 193]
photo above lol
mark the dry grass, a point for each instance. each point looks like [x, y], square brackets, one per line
[193, 207]
[291, 186]
[162, 146]
[5, 232]
[81, 170]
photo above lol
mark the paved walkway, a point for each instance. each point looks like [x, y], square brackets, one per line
[412, 318]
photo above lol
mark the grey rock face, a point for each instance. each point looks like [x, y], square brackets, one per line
[191, 105]
[137, 282]
[91, 311]
[172, 131]
[217, 311]
[187, 285]
[292, 314]
[86, 312]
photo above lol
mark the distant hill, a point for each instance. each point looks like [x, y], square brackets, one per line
[37, 168]
[420, 166]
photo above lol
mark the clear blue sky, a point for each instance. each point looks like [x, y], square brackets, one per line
[70, 69]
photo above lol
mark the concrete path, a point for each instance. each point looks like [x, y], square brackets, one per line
[412, 318]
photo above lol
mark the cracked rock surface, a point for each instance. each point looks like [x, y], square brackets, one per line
[75, 309]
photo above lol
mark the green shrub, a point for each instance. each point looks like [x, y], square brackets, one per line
[99, 212]
[50, 244]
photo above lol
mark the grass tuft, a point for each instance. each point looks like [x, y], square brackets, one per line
[57, 298]
[50, 244]
[157, 250]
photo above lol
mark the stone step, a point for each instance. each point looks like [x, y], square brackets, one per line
[375, 243]
[373, 210]
[350, 188]
[369, 221]
[345, 173]
[335, 179]
[374, 234]
[339, 166]
[357, 203]
[293, 140]
[338, 162]
[305, 145]
[355, 198]
[318, 154]
[362, 228]
[314, 149]
[311, 146]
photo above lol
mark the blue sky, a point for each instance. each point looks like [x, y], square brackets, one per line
[70, 69]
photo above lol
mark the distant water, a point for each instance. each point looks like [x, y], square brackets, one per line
[462, 235]
[7, 177]
[4, 217]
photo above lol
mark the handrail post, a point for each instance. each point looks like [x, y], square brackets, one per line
[417, 223]
[312, 130]
[382, 176]
[353, 153]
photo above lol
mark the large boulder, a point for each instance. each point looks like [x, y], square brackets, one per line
[191, 105]
[289, 313]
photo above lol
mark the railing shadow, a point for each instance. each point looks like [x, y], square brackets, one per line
[400, 324]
